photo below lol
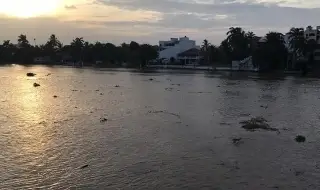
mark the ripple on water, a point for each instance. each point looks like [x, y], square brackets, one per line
[154, 138]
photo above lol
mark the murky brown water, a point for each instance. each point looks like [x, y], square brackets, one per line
[173, 132]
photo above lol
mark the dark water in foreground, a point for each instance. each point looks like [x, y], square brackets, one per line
[174, 132]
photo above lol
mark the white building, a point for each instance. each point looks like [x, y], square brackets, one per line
[171, 48]
[312, 33]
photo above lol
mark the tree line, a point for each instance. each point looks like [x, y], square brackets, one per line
[136, 55]
[269, 52]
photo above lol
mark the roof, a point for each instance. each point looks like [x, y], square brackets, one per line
[190, 53]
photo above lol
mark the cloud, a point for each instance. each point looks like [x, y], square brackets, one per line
[153, 20]
[257, 15]
[70, 7]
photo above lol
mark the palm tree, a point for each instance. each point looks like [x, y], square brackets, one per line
[226, 51]
[23, 41]
[297, 43]
[238, 43]
[274, 51]
[77, 45]
[234, 32]
[297, 40]
[205, 50]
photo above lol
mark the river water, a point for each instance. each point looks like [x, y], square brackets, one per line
[164, 130]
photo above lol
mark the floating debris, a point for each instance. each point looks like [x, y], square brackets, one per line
[200, 92]
[74, 90]
[223, 123]
[103, 120]
[236, 141]
[48, 74]
[151, 79]
[218, 86]
[237, 93]
[297, 173]
[231, 83]
[101, 94]
[117, 86]
[262, 106]
[36, 84]
[245, 114]
[97, 90]
[168, 89]
[84, 166]
[175, 84]
[300, 138]
[257, 123]
[165, 112]
[31, 74]
[55, 96]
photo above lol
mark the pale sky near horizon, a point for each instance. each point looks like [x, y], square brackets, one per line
[148, 21]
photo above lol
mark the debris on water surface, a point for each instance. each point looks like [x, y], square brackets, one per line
[151, 79]
[218, 86]
[74, 90]
[48, 74]
[236, 141]
[97, 90]
[229, 92]
[103, 120]
[297, 173]
[245, 114]
[224, 123]
[55, 96]
[117, 86]
[36, 84]
[265, 107]
[231, 83]
[165, 112]
[168, 89]
[31, 74]
[300, 138]
[101, 94]
[84, 166]
[257, 123]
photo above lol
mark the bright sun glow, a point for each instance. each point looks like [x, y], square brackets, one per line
[28, 8]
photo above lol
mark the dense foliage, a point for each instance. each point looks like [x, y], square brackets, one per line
[269, 52]
[107, 54]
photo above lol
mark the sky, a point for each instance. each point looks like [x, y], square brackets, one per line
[148, 21]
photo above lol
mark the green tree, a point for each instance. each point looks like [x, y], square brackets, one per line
[205, 50]
[272, 54]
[238, 43]
[52, 47]
[25, 52]
[7, 52]
[76, 47]
[147, 53]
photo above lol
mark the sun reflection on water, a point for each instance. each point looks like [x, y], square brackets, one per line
[30, 113]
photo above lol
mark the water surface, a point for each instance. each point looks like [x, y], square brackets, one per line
[172, 132]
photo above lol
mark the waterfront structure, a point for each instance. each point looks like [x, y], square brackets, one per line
[169, 50]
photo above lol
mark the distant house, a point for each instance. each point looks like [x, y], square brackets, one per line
[191, 56]
[310, 33]
[169, 50]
